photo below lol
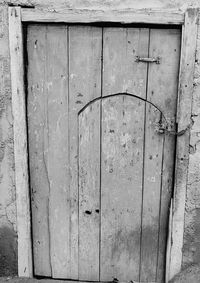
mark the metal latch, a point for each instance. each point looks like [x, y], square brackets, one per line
[163, 128]
[147, 60]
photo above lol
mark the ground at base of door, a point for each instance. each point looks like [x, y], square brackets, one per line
[27, 280]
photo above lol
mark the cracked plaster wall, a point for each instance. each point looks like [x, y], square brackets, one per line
[8, 229]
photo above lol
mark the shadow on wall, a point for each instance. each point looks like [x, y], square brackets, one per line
[8, 252]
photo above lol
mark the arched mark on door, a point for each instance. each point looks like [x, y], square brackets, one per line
[117, 94]
[120, 151]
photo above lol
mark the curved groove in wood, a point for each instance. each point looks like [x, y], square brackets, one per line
[117, 94]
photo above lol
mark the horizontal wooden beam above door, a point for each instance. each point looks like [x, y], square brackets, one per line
[127, 16]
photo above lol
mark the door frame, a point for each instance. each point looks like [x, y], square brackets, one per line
[188, 21]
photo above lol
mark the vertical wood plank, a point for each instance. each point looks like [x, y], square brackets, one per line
[38, 148]
[166, 44]
[56, 154]
[153, 155]
[20, 143]
[84, 85]
[121, 72]
[189, 37]
[121, 192]
[162, 91]
[89, 191]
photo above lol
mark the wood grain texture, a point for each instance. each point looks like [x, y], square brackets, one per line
[112, 205]
[188, 47]
[89, 191]
[53, 116]
[166, 44]
[121, 191]
[20, 144]
[48, 148]
[56, 153]
[153, 156]
[104, 15]
[168, 247]
[121, 72]
[38, 149]
[84, 85]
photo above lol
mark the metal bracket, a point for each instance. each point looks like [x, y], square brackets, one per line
[148, 60]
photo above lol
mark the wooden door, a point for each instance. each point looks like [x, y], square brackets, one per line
[101, 173]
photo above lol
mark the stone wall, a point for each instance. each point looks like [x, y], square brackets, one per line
[8, 229]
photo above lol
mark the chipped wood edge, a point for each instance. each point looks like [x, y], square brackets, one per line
[186, 75]
[147, 16]
[20, 143]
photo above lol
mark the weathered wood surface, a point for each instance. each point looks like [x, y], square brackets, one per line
[88, 16]
[53, 126]
[168, 247]
[89, 192]
[166, 44]
[153, 155]
[121, 72]
[38, 149]
[20, 144]
[84, 85]
[121, 187]
[102, 175]
[48, 148]
[56, 148]
[188, 50]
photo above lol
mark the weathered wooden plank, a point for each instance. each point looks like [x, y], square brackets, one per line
[163, 91]
[121, 191]
[89, 191]
[189, 37]
[87, 16]
[121, 72]
[168, 248]
[84, 85]
[38, 148]
[20, 144]
[57, 151]
[153, 155]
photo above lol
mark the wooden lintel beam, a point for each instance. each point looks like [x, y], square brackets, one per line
[126, 16]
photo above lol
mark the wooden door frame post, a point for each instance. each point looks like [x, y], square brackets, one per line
[188, 21]
[20, 144]
[184, 110]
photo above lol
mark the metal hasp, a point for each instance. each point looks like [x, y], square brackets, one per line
[148, 60]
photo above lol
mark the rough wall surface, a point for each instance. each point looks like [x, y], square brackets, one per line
[103, 4]
[8, 236]
[8, 229]
[192, 209]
